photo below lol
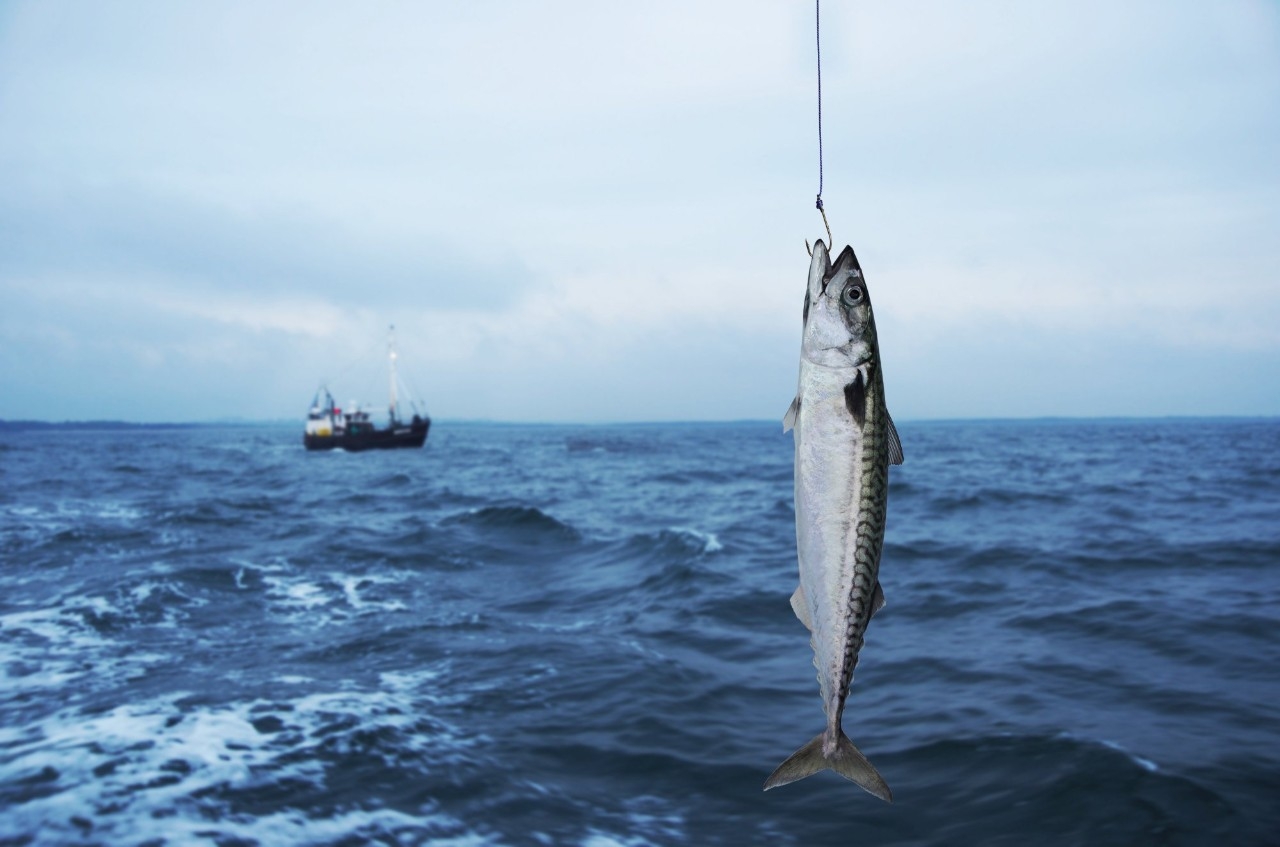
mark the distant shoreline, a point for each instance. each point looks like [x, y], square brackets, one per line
[26, 426]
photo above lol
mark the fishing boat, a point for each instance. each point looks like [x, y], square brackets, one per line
[329, 426]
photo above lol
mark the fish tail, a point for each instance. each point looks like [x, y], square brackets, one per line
[845, 760]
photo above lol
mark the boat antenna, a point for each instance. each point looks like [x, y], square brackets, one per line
[391, 351]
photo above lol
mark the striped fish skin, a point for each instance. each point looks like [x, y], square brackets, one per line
[845, 442]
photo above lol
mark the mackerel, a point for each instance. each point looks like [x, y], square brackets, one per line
[845, 442]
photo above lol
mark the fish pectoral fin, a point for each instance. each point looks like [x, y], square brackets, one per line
[845, 760]
[895, 443]
[801, 607]
[877, 600]
[793, 412]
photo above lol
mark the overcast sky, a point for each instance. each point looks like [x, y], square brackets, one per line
[596, 211]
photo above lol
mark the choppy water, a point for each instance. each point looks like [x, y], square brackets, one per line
[529, 635]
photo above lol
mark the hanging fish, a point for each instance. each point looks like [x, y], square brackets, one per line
[845, 442]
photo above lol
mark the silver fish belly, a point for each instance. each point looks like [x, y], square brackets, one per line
[845, 442]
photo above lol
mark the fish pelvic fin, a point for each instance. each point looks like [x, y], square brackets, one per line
[793, 412]
[845, 760]
[800, 605]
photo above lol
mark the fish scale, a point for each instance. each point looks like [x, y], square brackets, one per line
[845, 442]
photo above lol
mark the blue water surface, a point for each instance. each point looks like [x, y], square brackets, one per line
[571, 635]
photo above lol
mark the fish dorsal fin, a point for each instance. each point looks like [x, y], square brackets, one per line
[793, 412]
[855, 399]
[877, 600]
[895, 443]
[801, 608]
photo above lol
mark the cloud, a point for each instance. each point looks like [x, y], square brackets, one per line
[596, 211]
[121, 231]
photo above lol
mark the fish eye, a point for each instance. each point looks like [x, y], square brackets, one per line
[852, 294]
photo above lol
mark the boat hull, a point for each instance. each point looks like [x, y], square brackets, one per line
[407, 435]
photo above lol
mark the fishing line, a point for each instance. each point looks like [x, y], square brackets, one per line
[817, 25]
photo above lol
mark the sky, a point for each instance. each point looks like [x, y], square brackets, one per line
[595, 212]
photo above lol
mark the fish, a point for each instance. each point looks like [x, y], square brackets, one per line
[845, 442]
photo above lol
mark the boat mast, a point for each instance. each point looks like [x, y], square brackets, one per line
[391, 349]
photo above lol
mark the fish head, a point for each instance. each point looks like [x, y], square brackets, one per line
[839, 328]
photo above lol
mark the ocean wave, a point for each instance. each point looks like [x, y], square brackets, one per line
[625, 445]
[960, 598]
[651, 564]
[674, 543]
[1078, 791]
[81, 514]
[526, 525]
[254, 502]
[202, 514]
[1109, 555]
[707, 476]
[986, 498]
[450, 497]
[917, 549]
[147, 602]
[395, 480]
[750, 608]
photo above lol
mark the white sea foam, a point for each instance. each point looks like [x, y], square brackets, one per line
[164, 769]
[1145, 764]
[337, 593]
[114, 511]
[49, 648]
[710, 543]
[644, 821]
[66, 513]
[352, 586]
[299, 594]
[171, 597]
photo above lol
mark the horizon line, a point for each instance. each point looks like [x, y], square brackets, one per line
[102, 423]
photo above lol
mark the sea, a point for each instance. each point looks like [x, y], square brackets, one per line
[580, 635]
